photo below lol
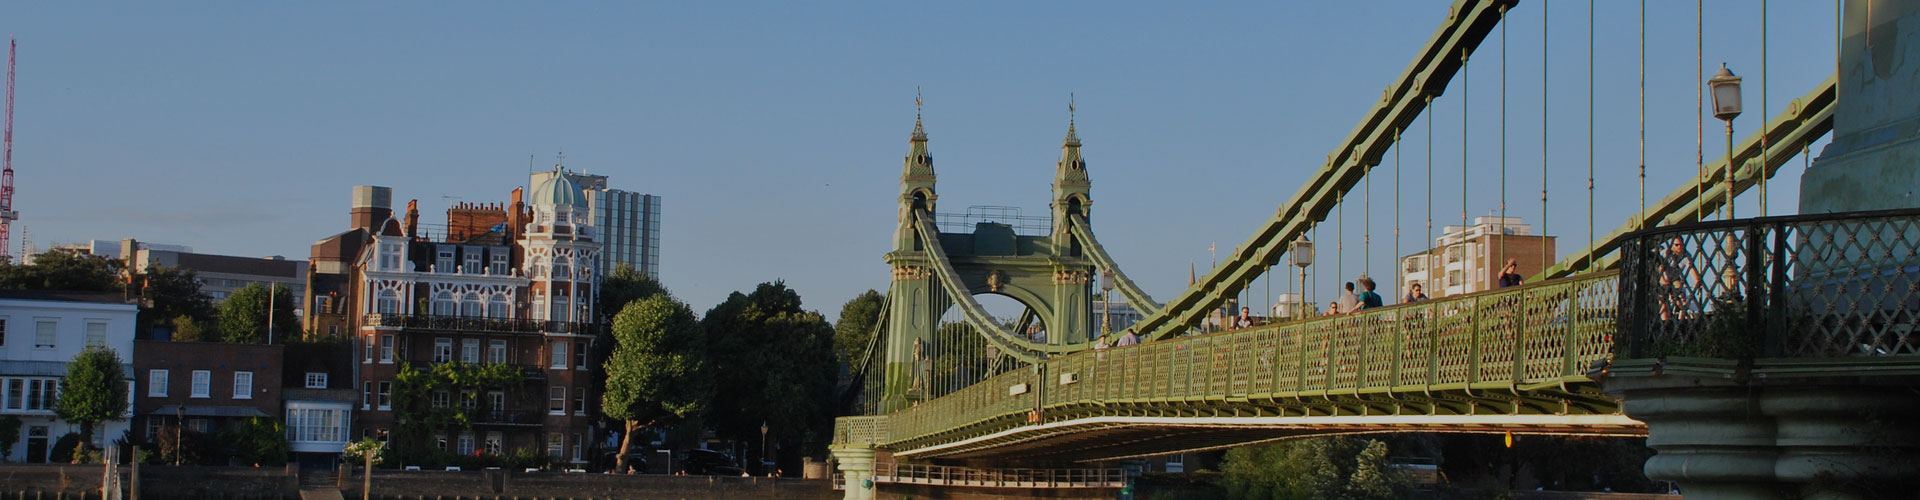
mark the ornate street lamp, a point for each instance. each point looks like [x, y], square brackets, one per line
[1726, 106]
[1106, 302]
[1302, 254]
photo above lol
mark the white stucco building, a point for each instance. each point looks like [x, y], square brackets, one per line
[40, 331]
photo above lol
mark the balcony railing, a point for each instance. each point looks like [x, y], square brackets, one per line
[479, 325]
[508, 417]
[1804, 286]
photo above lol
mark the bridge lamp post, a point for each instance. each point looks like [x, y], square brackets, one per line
[1302, 254]
[1726, 106]
[1106, 302]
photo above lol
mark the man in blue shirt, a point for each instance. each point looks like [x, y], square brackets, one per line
[1369, 299]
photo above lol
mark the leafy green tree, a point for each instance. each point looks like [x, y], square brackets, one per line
[416, 417]
[625, 285]
[855, 329]
[657, 373]
[93, 390]
[9, 434]
[777, 364]
[259, 441]
[1311, 468]
[243, 317]
[170, 292]
[63, 270]
[188, 329]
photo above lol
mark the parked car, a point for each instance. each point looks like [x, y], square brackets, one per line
[708, 462]
[636, 458]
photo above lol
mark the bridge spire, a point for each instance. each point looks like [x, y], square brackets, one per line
[1072, 190]
[919, 163]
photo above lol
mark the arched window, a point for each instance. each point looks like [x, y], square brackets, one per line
[388, 302]
[470, 308]
[442, 304]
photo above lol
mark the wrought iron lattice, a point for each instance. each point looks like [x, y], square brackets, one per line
[1809, 286]
[1540, 335]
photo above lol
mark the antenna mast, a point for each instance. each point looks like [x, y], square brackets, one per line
[7, 215]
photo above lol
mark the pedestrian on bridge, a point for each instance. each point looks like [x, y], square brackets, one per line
[1245, 320]
[1348, 301]
[1414, 294]
[1510, 275]
[1128, 339]
[1369, 299]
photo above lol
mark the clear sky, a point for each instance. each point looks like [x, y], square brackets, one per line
[774, 130]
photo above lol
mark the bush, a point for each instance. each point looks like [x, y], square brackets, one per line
[62, 451]
[258, 441]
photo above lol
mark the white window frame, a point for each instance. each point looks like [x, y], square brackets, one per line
[46, 333]
[497, 351]
[156, 383]
[96, 333]
[386, 348]
[442, 350]
[316, 380]
[202, 385]
[557, 400]
[242, 385]
[470, 351]
[385, 396]
[559, 358]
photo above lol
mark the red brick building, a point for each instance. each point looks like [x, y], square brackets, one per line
[519, 295]
[204, 385]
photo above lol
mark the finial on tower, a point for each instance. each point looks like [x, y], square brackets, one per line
[919, 131]
[1073, 139]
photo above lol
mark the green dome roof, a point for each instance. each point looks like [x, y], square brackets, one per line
[558, 190]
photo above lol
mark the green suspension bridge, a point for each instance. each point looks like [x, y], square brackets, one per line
[1670, 319]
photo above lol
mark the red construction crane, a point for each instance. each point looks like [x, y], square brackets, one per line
[7, 215]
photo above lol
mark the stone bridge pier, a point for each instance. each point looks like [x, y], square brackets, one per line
[1775, 437]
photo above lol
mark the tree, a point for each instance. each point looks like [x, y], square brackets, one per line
[243, 317]
[1327, 467]
[657, 373]
[776, 361]
[9, 434]
[188, 329]
[63, 270]
[171, 292]
[259, 441]
[855, 329]
[625, 285]
[93, 390]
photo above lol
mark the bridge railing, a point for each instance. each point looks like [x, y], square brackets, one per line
[890, 472]
[1802, 286]
[1538, 335]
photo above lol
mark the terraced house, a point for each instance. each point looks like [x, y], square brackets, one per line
[473, 338]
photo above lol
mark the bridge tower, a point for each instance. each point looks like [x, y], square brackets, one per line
[1047, 273]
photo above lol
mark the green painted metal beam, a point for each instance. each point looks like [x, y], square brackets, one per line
[1136, 297]
[1467, 24]
[1805, 120]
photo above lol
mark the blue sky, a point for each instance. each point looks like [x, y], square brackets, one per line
[774, 130]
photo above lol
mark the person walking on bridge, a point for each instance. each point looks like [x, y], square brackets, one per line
[1510, 275]
[1348, 301]
[1414, 294]
[1369, 299]
[1128, 339]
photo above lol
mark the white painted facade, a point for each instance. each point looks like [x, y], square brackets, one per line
[39, 334]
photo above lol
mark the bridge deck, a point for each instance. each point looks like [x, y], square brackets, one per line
[1512, 360]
